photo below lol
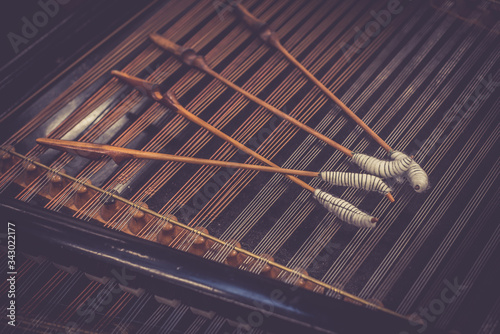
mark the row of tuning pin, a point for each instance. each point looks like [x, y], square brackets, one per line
[30, 172]
[198, 245]
[56, 183]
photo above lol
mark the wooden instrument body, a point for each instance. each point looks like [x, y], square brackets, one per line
[265, 213]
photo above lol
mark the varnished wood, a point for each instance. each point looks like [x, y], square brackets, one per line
[56, 184]
[199, 245]
[168, 232]
[31, 172]
[189, 57]
[235, 258]
[110, 207]
[139, 218]
[83, 195]
[118, 154]
[268, 36]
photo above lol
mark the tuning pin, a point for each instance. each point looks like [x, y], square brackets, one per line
[110, 207]
[169, 232]
[31, 171]
[308, 285]
[6, 159]
[301, 281]
[268, 270]
[304, 283]
[83, 194]
[200, 244]
[56, 183]
[139, 218]
[235, 258]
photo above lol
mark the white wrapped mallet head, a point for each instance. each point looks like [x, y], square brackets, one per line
[357, 180]
[382, 168]
[345, 211]
[415, 175]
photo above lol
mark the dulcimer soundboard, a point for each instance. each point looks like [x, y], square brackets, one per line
[250, 167]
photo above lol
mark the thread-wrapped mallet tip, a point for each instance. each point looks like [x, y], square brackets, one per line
[344, 210]
[357, 180]
[415, 174]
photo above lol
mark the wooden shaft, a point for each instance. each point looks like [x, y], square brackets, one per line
[328, 93]
[281, 114]
[219, 163]
[195, 119]
[191, 58]
[170, 100]
[268, 36]
[119, 154]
